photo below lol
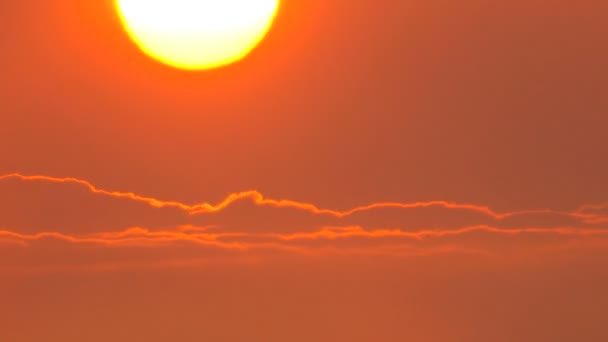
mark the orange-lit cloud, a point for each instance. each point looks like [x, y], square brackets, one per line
[587, 213]
[183, 242]
[242, 241]
[347, 232]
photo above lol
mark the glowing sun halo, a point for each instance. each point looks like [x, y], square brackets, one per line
[197, 34]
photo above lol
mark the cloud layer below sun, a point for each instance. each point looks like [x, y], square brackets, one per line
[249, 227]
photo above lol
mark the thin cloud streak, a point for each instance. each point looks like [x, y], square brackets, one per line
[138, 236]
[422, 234]
[582, 213]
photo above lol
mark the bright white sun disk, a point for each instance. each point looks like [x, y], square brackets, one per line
[197, 34]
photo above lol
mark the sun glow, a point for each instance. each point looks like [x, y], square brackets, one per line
[197, 34]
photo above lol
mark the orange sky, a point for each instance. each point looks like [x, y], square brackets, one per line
[375, 171]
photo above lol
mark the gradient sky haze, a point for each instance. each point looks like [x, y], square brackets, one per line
[386, 170]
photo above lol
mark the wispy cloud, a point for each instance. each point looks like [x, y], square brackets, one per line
[588, 213]
[341, 239]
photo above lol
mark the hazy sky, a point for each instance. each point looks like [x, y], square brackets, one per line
[442, 167]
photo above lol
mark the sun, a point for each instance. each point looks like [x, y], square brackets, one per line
[197, 34]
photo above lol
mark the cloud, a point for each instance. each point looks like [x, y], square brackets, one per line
[180, 242]
[301, 242]
[587, 213]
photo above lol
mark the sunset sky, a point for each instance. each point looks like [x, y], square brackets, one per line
[374, 171]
